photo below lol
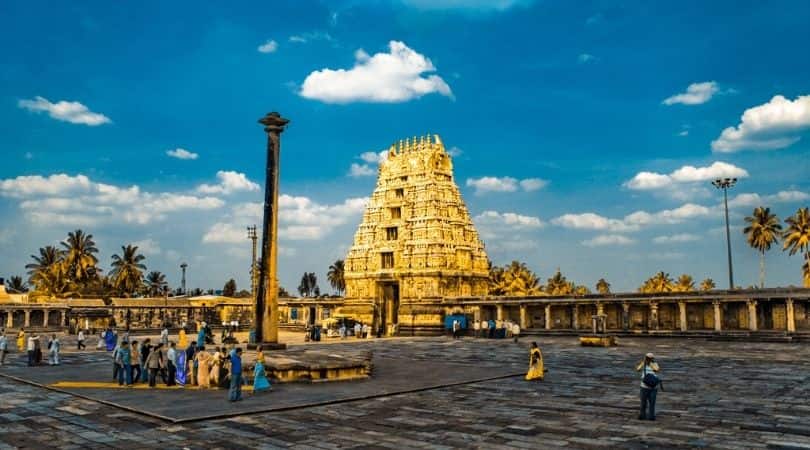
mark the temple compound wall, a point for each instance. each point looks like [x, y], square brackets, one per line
[415, 245]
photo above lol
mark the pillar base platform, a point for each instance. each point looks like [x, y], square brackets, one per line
[268, 346]
[597, 341]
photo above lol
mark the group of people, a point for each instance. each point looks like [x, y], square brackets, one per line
[493, 329]
[184, 363]
[33, 347]
[648, 367]
[361, 330]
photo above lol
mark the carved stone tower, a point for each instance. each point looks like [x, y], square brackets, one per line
[415, 245]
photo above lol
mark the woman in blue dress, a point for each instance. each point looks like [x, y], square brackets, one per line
[109, 339]
[260, 381]
[180, 376]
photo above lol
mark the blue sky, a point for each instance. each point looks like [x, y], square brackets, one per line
[615, 112]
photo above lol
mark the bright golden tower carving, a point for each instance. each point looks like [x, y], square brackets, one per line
[415, 245]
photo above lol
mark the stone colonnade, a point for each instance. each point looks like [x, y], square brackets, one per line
[32, 315]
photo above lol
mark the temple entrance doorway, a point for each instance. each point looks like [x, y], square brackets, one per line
[390, 307]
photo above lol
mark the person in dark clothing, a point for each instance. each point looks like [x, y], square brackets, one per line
[153, 364]
[190, 352]
[146, 348]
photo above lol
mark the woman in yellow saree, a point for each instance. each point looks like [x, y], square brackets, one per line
[21, 340]
[535, 363]
[182, 339]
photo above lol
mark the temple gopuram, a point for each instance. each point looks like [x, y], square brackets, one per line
[415, 245]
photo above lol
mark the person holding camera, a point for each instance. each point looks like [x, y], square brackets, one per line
[650, 382]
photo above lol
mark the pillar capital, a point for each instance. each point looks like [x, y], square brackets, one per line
[626, 307]
[716, 302]
[789, 301]
[273, 123]
[751, 303]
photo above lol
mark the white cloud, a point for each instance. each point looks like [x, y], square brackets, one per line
[268, 47]
[631, 222]
[76, 200]
[504, 184]
[686, 174]
[229, 182]
[73, 112]
[390, 77]
[676, 238]
[769, 126]
[300, 218]
[181, 153]
[508, 219]
[374, 157]
[585, 58]
[454, 151]
[696, 94]
[754, 200]
[361, 170]
[148, 246]
[303, 38]
[608, 239]
[683, 133]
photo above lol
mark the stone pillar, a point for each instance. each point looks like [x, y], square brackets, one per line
[10, 319]
[27, 322]
[45, 315]
[682, 322]
[718, 316]
[654, 316]
[600, 309]
[625, 316]
[499, 312]
[266, 302]
[524, 323]
[791, 317]
[477, 313]
[752, 315]
[575, 316]
[548, 317]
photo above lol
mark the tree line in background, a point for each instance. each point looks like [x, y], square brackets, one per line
[764, 230]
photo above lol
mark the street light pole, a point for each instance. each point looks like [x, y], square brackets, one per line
[725, 184]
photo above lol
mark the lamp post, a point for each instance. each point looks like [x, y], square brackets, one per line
[725, 184]
[183, 280]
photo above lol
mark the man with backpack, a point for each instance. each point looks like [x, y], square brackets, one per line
[649, 386]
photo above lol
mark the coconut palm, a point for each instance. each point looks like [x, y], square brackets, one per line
[54, 282]
[558, 284]
[80, 258]
[16, 284]
[797, 239]
[685, 284]
[581, 290]
[335, 276]
[707, 284]
[602, 286]
[127, 270]
[48, 257]
[516, 279]
[156, 282]
[309, 285]
[496, 283]
[762, 232]
[660, 282]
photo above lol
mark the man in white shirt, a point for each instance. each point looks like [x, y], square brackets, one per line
[53, 351]
[3, 347]
[484, 328]
[164, 336]
[171, 364]
[477, 328]
[358, 330]
[80, 340]
[32, 348]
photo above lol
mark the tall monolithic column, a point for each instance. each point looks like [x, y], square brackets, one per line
[791, 316]
[682, 320]
[752, 315]
[718, 316]
[266, 302]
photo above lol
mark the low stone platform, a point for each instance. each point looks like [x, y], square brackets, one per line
[309, 365]
[597, 341]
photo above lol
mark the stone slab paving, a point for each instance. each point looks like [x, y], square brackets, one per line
[717, 395]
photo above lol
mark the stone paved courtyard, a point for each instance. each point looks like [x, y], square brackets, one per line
[717, 395]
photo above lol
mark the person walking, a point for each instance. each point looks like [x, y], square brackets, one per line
[456, 329]
[235, 391]
[32, 349]
[153, 363]
[3, 347]
[224, 366]
[203, 360]
[80, 341]
[21, 340]
[260, 381]
[53, 351]
[182, 340]
[145, 350]
[171, 364]
[135, 356]
[536, 369]
[164, 337]
[192, 366]
[100, 343]
[216, 364]
[516, 332]
[123, 359]
[477, 328]
[649, 386]
[358, 330]
[484, 328]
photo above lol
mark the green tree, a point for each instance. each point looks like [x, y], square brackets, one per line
[763, 230]
[685, 284]
[335, 276]
[308, 285]
[79, 256]
[515, 279]
[49, 257]
[127, 270]
[660, 282]
[229, 290]
[602, 286]
[707, 285]
[156, 282]
[797, 239]
[16, 284]
[558, 284]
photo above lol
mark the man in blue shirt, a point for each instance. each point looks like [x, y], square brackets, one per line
[124, 362]
[235, 391]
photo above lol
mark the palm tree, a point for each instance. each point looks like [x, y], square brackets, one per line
[156, 281]
[602, 286]
[335, 276]
[48, 257]
[127, 270]
[806, 270]
[685, 284]
[309, 285]
[16, 284]
[54, 282]
[660, 282]
[229, 290]
[80, 255]
[581, 290]
[559, 285]
[707, 285]
[496, 283]
[797, 239]
[517, 279]
[763, 231]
